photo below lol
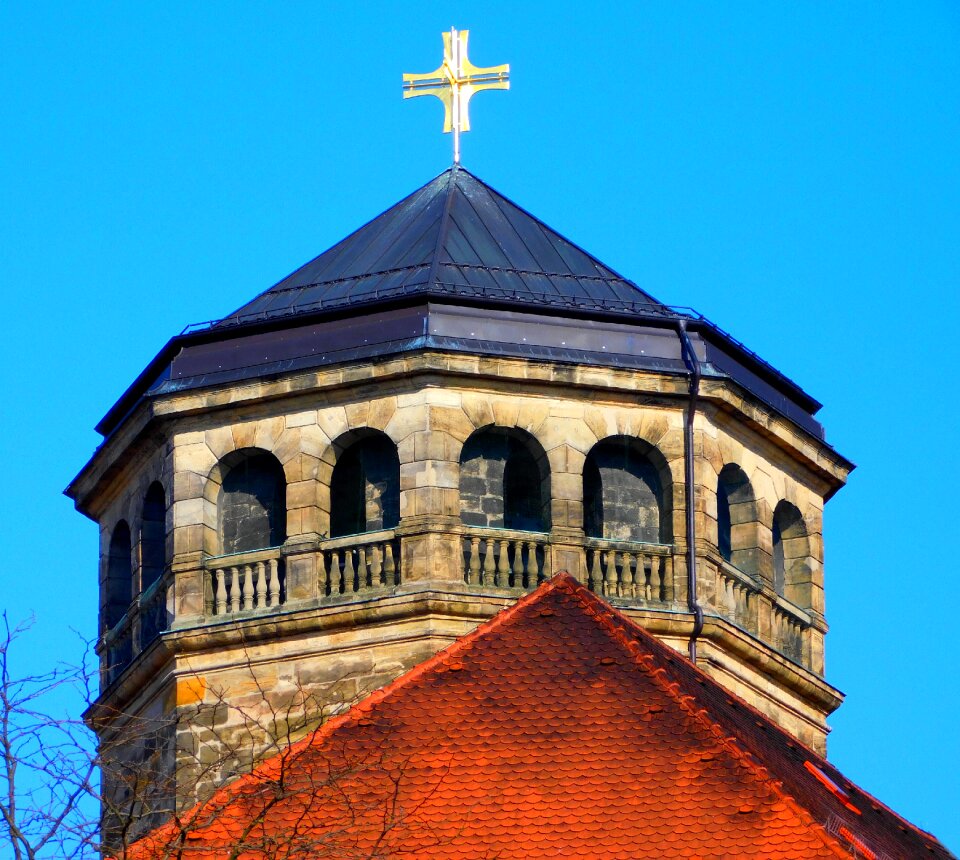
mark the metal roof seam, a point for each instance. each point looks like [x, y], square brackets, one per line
[442, 229]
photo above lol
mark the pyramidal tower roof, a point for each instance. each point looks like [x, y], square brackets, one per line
[455, 266]
[454, 236]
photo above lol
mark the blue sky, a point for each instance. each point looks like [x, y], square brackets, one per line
[788, 169]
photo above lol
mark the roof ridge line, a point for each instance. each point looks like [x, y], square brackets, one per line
[614, 620]
[352, 233]
[374, 698]
[594, 259]
[442, 229]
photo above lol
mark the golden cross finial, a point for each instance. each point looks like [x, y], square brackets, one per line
[454, 83]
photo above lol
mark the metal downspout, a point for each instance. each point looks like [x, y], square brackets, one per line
[693, 366]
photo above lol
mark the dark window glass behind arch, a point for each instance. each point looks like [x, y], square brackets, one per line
[119, 575]
[792, 574]
[153, 536]
[253, 505]
[622, 494]
[365, 488]
[504, 481]
[724, 543]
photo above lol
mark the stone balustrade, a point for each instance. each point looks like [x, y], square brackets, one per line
[505, 558]
[359, 563]
[117, 651]
[744, 600]
[738, 596]
[152, 608]
[629, 570]
[246, 581]
[790, 630]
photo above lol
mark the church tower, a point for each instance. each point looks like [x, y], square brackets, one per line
[304, 499]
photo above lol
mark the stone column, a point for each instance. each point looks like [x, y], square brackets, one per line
[194, 507]
[430, 527]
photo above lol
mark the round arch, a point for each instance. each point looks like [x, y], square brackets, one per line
[364, 483]
[119, 585]
[504, 480]
[626, 485]
[738, 520]
[153, 535]
[792, 569]
[251, 503]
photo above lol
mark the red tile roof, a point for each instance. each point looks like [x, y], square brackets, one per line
[557, 729]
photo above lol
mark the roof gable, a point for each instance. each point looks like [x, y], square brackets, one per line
[558, 728]
[455, 235]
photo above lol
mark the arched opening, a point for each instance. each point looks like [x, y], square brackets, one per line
[737, 520]
[724, 538]
[153, 536]
[504, 481]
[792, 574]
[119, 575]
[365, 487]
[623, 492]
[252, 504]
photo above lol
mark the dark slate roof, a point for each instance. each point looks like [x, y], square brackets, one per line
[455, 266]
[454, 236]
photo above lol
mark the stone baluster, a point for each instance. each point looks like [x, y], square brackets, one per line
[221, 594]
[488, 575]
[595, 576]
[530, 570]
[273, 584]
[389, 566]
[247, 571]
[626, 576]
[324, 574]
[517, 564]
[503, 566]
[234, 590]
[656, 577]
[349, 573]
[363, 571]
[473, 568]
[260, 570]
[333, 572]
[376, 566]
[610, 574]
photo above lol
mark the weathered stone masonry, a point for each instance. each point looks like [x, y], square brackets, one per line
[275, 545]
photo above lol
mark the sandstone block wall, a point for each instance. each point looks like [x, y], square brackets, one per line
[429, 441]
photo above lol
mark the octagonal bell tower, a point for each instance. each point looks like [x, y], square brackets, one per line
[304, 499]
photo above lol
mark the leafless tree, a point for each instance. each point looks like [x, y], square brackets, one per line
[65, 797]
[48, 769]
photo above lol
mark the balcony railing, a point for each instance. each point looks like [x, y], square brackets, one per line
[117, 650]
[246, 581]
[738, 596]
[629, 570]
[360, 563]
[505, 559]
[153, 612]
[789, 630]
[742, 598]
